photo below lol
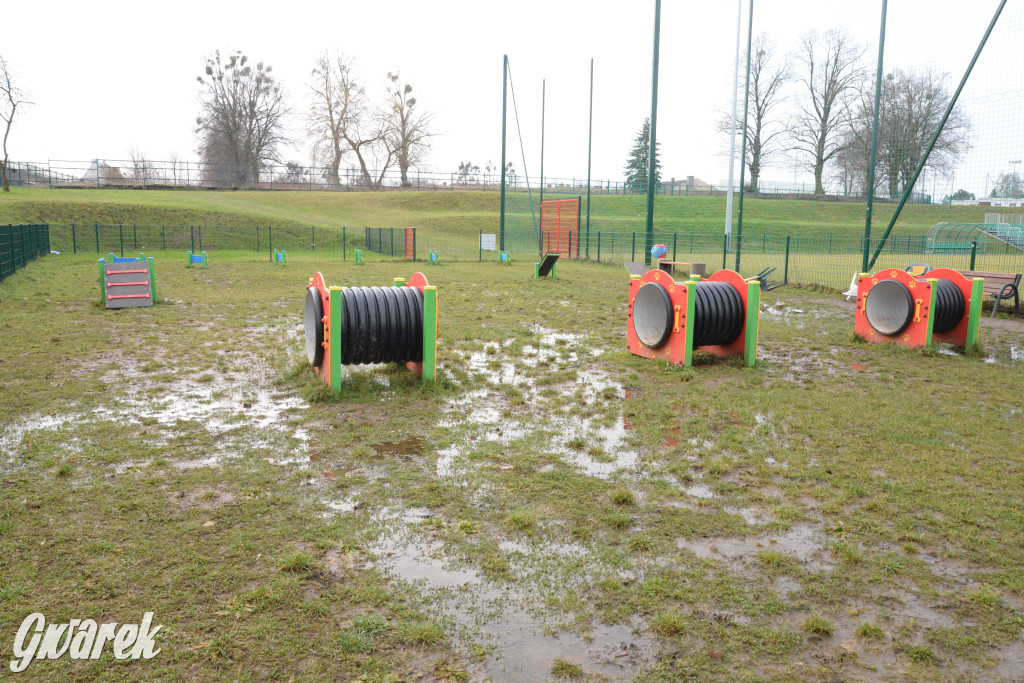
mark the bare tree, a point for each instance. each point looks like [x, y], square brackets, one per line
[341, 122]
[764, 133]
[830, 72]
[11, 97]
[911, 109]
[241, 119]
[407, 127]
[141, 171]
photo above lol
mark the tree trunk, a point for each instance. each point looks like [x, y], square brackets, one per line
[819, 167]
[4, 182]
[403, 166]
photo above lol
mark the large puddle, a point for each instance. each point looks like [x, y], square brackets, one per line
[569, 417]
[520, 644]
[241, 408]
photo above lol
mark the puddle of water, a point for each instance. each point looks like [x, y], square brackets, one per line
[422, 563]
[13, 436]
[592, 444]
[522, 647]
[524, 653]
[803, 542]
[404, 448]
[341, 505]
[752, 516]
[699, 490]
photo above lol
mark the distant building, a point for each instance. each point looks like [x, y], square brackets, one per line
[989, 201]
[100, 173]
[690, 185]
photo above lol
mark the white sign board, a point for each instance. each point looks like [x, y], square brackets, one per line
[488, 243]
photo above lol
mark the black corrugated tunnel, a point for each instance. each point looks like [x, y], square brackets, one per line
[718, 311]
[719, 314]
[949, 306]
[313, 319]
[381, 325]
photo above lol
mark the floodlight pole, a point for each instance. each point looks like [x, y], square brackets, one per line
[874, 141]
[504, 117]
[543, 97]
[743, 153]
[652, 149]
[938, 131]
[732, 126]
[590, 139]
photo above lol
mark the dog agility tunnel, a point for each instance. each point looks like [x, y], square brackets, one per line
[669, 319]
[366, 325]
[942, 306]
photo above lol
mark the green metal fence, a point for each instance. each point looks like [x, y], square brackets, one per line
[822, 260]
[20, 245]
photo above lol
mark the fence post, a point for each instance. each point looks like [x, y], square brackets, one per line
[785, 271]
[674, 236]
[392, 243]
[192, 237]
[270, 236]
[120, 237]
[632, 250]
[74, 240]
[598, 246]
[974, 253]
[725, 249]
[200, 239]
[96, 228]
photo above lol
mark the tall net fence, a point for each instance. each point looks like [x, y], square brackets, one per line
[956, 177]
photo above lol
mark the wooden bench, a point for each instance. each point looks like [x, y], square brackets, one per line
[696, 267]
[1001, 286]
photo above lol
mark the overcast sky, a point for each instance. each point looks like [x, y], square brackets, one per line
[108, 76]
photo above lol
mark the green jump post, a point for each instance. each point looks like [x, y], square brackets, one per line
[103, 291]
[753, 316]
[691, 314]
[429, 333]
[974, 314]
[930, 318]
[335, 315]
[152, 279]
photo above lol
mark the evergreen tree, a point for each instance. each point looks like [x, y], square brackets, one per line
[637, 164]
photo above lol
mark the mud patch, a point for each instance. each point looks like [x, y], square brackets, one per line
[803, 543]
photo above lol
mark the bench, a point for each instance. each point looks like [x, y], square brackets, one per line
[696, 268]
[1001, 286]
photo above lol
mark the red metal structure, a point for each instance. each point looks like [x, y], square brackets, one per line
[560, 227]
[410, 243]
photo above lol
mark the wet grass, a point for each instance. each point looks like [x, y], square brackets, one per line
[841, 511]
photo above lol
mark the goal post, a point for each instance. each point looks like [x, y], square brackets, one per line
[560, 226]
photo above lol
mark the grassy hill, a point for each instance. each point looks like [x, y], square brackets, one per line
[448, 221]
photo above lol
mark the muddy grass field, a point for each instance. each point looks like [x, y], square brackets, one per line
[552, 508]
